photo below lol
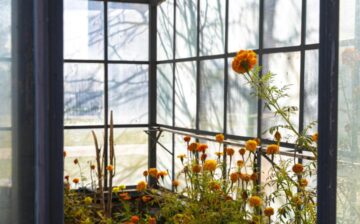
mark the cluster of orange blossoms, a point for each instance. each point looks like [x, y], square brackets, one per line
[244, 61]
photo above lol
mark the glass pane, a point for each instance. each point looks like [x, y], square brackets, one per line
[165, 30]
[83, 29]
[180, 149]
[5, 94]
[128, 93]
[79, 144]
[131, 150]
[282, 27]
[185, 94]
[186, 28]
[212, 27]
[243, 24]
[312, 21]
[311, 88]
[241, 106]
[5, 159]
[83, 94]
[165, 94]
[128, 31]
[211, 114]
[348, 179]
[286, 66]
[5, 29]
[164, 158]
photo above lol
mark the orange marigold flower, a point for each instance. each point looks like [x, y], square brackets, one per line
[298, 168]
[242, 151]
[92, 166]
[219, 154]
[303, 182]
[110, 168]
[67, 177]
[230, 152]
[219, 138]
[162, 174]
[269, 211]
[277, 136]
[244, 195]
[251, 145]
[203, 156]
[272, 149]
[125, 196]
[255, 201]
[152, 220]
[245, 177]
[135, 219]
[315, 137]
[196, 168]
[210, 165]
[215, 186]
[65, 153]
[193, 146]
[240, 163]
[202, 148]
[76, 180]
[145, 173]
[153, 172]
[244, 61]
[175, 183]
[297, 200]
[258, 141]
[141, 186]
[76, 161]
[254, 177]
[146, 198]
[234, 177]
[187, 138]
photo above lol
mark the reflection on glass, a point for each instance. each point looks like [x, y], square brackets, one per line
[5, 28]
[164, 94]
[348, 179]
[79, 144]
[286, 66]
[282, 27]
[212, 27]
[83, 30]
[5, 94]
[131, 151]
[312, 21]
[185, 94]
[128, 31]
[128, 93]
[243, 24]
[241, 106]
[164, 158]
[83, 94]
[186, 28]
[311, 88]
[211, 114]
[165, 30]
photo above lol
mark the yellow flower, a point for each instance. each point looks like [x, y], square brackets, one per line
[215, 186]
[230, 152]
[116, 189]
[219, 154]
[315, 137]
[88, 200]
[255, 201]
[153, 172]
[187, 138]
[298, 168]
[141, 186]
[122, 187]
[210, 165]
[234, 177]
[303, 182]
[269, 211]
[110, 168]
[244, 61]
[219, 138]
[272, 149]
[181, 157]
[162, 174]
[251, 145]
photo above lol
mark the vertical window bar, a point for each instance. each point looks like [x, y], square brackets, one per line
[106, 88]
